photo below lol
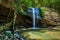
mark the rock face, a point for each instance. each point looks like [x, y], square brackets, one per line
[6, 3]
[23, 21]
[52, 17]
[5, 14]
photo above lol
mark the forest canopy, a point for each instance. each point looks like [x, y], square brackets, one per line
[22, 5]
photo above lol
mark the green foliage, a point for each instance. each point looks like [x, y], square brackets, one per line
[51, 4]
[22, 5]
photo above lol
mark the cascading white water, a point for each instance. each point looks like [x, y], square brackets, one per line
[33, 10]
[35, 16]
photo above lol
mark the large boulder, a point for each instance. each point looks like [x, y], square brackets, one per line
[51, 17]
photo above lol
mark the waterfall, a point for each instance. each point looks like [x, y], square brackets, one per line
[35, 12]
[33, 17]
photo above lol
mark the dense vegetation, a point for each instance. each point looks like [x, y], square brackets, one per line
[22, 5]
[14, 16]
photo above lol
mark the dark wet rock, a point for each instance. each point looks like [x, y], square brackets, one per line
[5, 14]
[23, 20]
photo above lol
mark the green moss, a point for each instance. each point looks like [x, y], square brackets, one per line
[42, 12]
